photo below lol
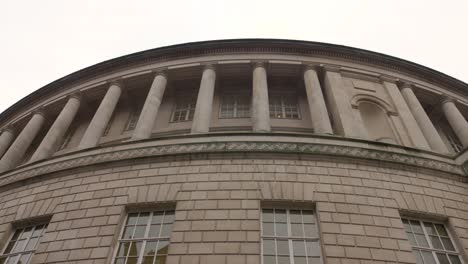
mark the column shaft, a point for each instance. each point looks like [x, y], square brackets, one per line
[101, 118]
[204, 106]
[150, 108]
[457, 121]
[57, 131]
[318, 109]
[260, 104]
[427, 128]
[15, 153]
[5, 140]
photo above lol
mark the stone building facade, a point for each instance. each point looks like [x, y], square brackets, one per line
[238, 151]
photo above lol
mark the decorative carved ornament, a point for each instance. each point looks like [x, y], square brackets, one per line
[109, 155]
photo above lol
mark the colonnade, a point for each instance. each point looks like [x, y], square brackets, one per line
[13, 150]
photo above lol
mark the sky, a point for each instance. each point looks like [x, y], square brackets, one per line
[41, 41]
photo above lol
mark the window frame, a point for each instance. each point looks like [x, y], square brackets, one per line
[235, 107]
[283, 96]
[133, 117]
[290, 238]
[431, 248]
[143, 239]
[31, 252]
[193, 101]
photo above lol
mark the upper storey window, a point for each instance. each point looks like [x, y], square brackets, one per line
[133, 118]
[284, 106]
[145, 238]
[22, 245]
[431, 242]
[290, 236]
[235, 106]
[184, 109]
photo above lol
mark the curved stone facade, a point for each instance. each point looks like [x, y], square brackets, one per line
[238, 151]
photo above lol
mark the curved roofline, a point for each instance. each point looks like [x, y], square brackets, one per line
[253, 45]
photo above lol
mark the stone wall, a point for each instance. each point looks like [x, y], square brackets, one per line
[218, 203]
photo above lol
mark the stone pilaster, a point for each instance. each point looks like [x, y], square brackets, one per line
[57, 131]
[150, 108]
[101, 117]
[425, 124]
[15, 153]
[456, 120]
[204, 106]
[318, 109]
[260, 104]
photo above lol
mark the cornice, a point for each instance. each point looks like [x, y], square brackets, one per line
[242, 46]
[137, 151]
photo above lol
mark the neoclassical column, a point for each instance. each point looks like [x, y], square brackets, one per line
[260, 104]
[318, 109]
[204, 106]
[428, 129]
[101, 117]
[15, 153]
[150, 108]
[57, 131]
[456, 120]
[6, 138]
[410, 126]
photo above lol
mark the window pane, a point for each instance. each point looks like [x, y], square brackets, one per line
[132, 219]
[421, 239]
[295, 216]
[16, 234]
[160, 260]
[268, 229]
[269, 260]
[139, 231]
[436, 242]
[162, 247]
[442, 258]
[154, 231]
[128, 232]
[135, 249]
[31, 244]
[150, 248]
[119, 261]
[166, 230]
[454, 259]
[308, 217]
[12, 260]
[418, 256]
[281, 229]
[10, 246]
[269, 247]
[132, 260]
[2, 260]
[430, 229]
[416, 227]
[283, 260]
[313, 248]
[157, 218]
[296, 230]
[267, 215]
[169, 217]
[412, 239]
[38, 231]
[24, 259]
[123, 249]
[27, 232]
[282, 247]
[143, 219]
[299, 248]
[447, 244]
[315, 260]
[406, 225]
[148, 260]
[310, 230]
[20, 244]
[441, 230]
[428, 258]
[300, 260]
[280, 216]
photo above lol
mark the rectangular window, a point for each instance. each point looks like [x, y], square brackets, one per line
[431, 242]
[133, 118]
[22, 244]
[290, 236]
[109, 124]
[235, 106]
[184, 109]
[284, 107]
[145, 238]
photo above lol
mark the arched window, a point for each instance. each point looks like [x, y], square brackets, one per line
[376, 122]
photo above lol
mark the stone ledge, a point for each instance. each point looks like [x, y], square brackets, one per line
[237, 144]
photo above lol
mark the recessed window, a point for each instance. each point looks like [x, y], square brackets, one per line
[184, 109]
[145, 238]
[290, 236]
[109, 124]
[235, 106]
[431, 242]
[284, 107]
[22, 244]
[133, 118]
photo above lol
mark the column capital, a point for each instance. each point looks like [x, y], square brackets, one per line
[330, 68]
[384, 78]
[160, 72]
[9, 128]
[447, 99]
[256, 64]
[210, 66]
[314, 67]
[117, 82]
[40, 111]
[404, 85]
[77, 95]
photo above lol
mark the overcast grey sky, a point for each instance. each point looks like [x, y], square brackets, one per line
[41, 41]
